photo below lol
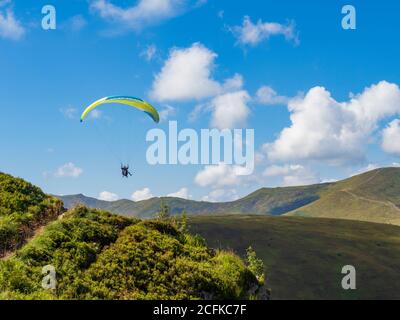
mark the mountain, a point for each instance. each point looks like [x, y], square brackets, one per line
[304, 256]
[273, 201]
[372, 196]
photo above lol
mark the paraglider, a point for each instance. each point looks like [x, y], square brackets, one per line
[129, 101]
[125, 100]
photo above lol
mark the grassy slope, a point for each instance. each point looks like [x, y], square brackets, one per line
[23, 209]
[98, 255]
[373, 196]
[304, 256]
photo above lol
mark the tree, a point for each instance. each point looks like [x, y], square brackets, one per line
[255, 264]
[164, 212]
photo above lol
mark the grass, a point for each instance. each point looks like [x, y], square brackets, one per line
[373, 196]
[304, 256]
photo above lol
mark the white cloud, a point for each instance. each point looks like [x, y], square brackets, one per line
[324, 129]
[292, 175]
[268, 96]
[10, 27]
[276, 170]
[144, 13]
[108, 196]
[253, 34]
[149, 52]
[181, 193]
[230, 110]
[220, 175]
[219, 195]
[68, 170]
[143, 194]
[69, 113]
[167, 112]
[391, 138]
[186, 75]
[234, 83]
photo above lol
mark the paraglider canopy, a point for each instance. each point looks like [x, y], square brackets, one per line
[125, 100]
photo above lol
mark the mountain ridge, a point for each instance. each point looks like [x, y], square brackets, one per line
[370, 196]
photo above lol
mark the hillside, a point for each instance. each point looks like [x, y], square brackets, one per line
[97, 255]
[373, 196]
[304, 257]
[23, 209]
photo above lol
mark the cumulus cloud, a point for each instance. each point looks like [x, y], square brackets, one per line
[68, 170]
[252, 34]
[186, 75]
[234, 83]
[144, 13]
[108, 196]
[337, 132]
[268, 96]
[143, 194]
[230, 110]
[220, 175]
[292, 175]
[181, 193]
[218, 195]
[10, 27]
[391, 138]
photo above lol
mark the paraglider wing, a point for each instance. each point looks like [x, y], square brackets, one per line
[126, 100]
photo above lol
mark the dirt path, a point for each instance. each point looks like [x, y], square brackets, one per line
[385, 203]
[37, 232]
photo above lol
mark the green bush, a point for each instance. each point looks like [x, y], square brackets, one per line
[102, 256]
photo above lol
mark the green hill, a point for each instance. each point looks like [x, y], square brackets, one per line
[23, 209]
[97, 255]
[372, 196]
[304, 256]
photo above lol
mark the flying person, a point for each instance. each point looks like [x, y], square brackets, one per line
[134, 103]
[125, 171]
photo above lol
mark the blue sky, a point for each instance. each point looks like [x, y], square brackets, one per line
[323, 101]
